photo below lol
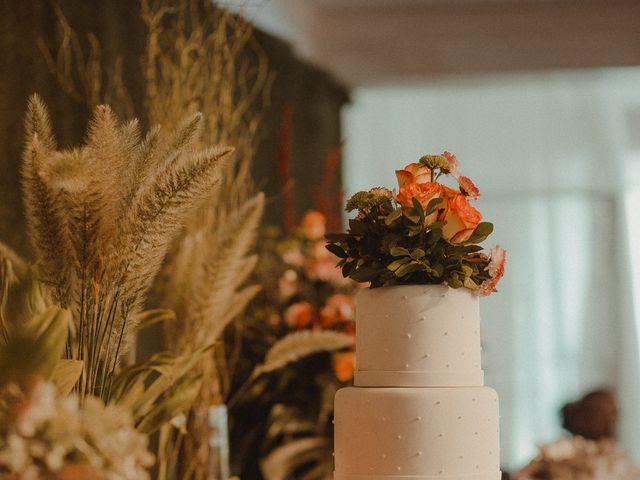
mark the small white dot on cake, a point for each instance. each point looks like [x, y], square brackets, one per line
[405, 297]
[408, 335]
[406, 365]
[422, 319]
[419, 453]
[418, 418]
[384, 419]
[333, 454]
[399, 437]
[398, 468]
[384, 455]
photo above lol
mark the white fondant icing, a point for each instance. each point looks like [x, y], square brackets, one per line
[391, 335]
[418, 410]
[453, 429]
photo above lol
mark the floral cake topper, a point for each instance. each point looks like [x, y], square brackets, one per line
[425, 233]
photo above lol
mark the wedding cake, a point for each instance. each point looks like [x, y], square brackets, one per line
[418, 409]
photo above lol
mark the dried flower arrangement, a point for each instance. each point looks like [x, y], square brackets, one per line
[426, 233]
[198, 57]
[101, 219]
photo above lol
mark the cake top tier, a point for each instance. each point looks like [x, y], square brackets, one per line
[418, 336]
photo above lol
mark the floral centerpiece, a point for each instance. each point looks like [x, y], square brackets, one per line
[425, 233]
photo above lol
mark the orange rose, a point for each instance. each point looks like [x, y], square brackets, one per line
[314, 225]
[344, 364]
[299, 315]
[423, 192]
[461, 217]
[413, 173]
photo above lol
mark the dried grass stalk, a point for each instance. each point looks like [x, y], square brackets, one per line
[101, 229]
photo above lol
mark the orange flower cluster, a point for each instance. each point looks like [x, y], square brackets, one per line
[310, 267]
[416, 181]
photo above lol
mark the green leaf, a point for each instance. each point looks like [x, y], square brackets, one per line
[393, 216]
[418, 253]
[364, 274]
[418, 208]
[405, 270]
[481, 232]
[336, 250]
[432, 205]
[412, 215]
[399, 252]
[357, 227]
[396, 264]
[348, 268]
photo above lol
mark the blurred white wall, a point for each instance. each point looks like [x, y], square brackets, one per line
[554, 155]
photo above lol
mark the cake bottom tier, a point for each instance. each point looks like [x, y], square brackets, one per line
[417, 434]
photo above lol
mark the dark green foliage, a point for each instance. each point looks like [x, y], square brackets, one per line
[399, 246]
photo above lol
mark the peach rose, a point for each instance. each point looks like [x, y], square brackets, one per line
[423, 192]
[497, 261]
[413, 173]
[314, 225]
[344, 363]
[461, 217]
[299, 315]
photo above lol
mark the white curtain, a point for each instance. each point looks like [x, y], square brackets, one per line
[549, 153]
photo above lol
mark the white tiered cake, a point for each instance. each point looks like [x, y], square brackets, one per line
[419, 409]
